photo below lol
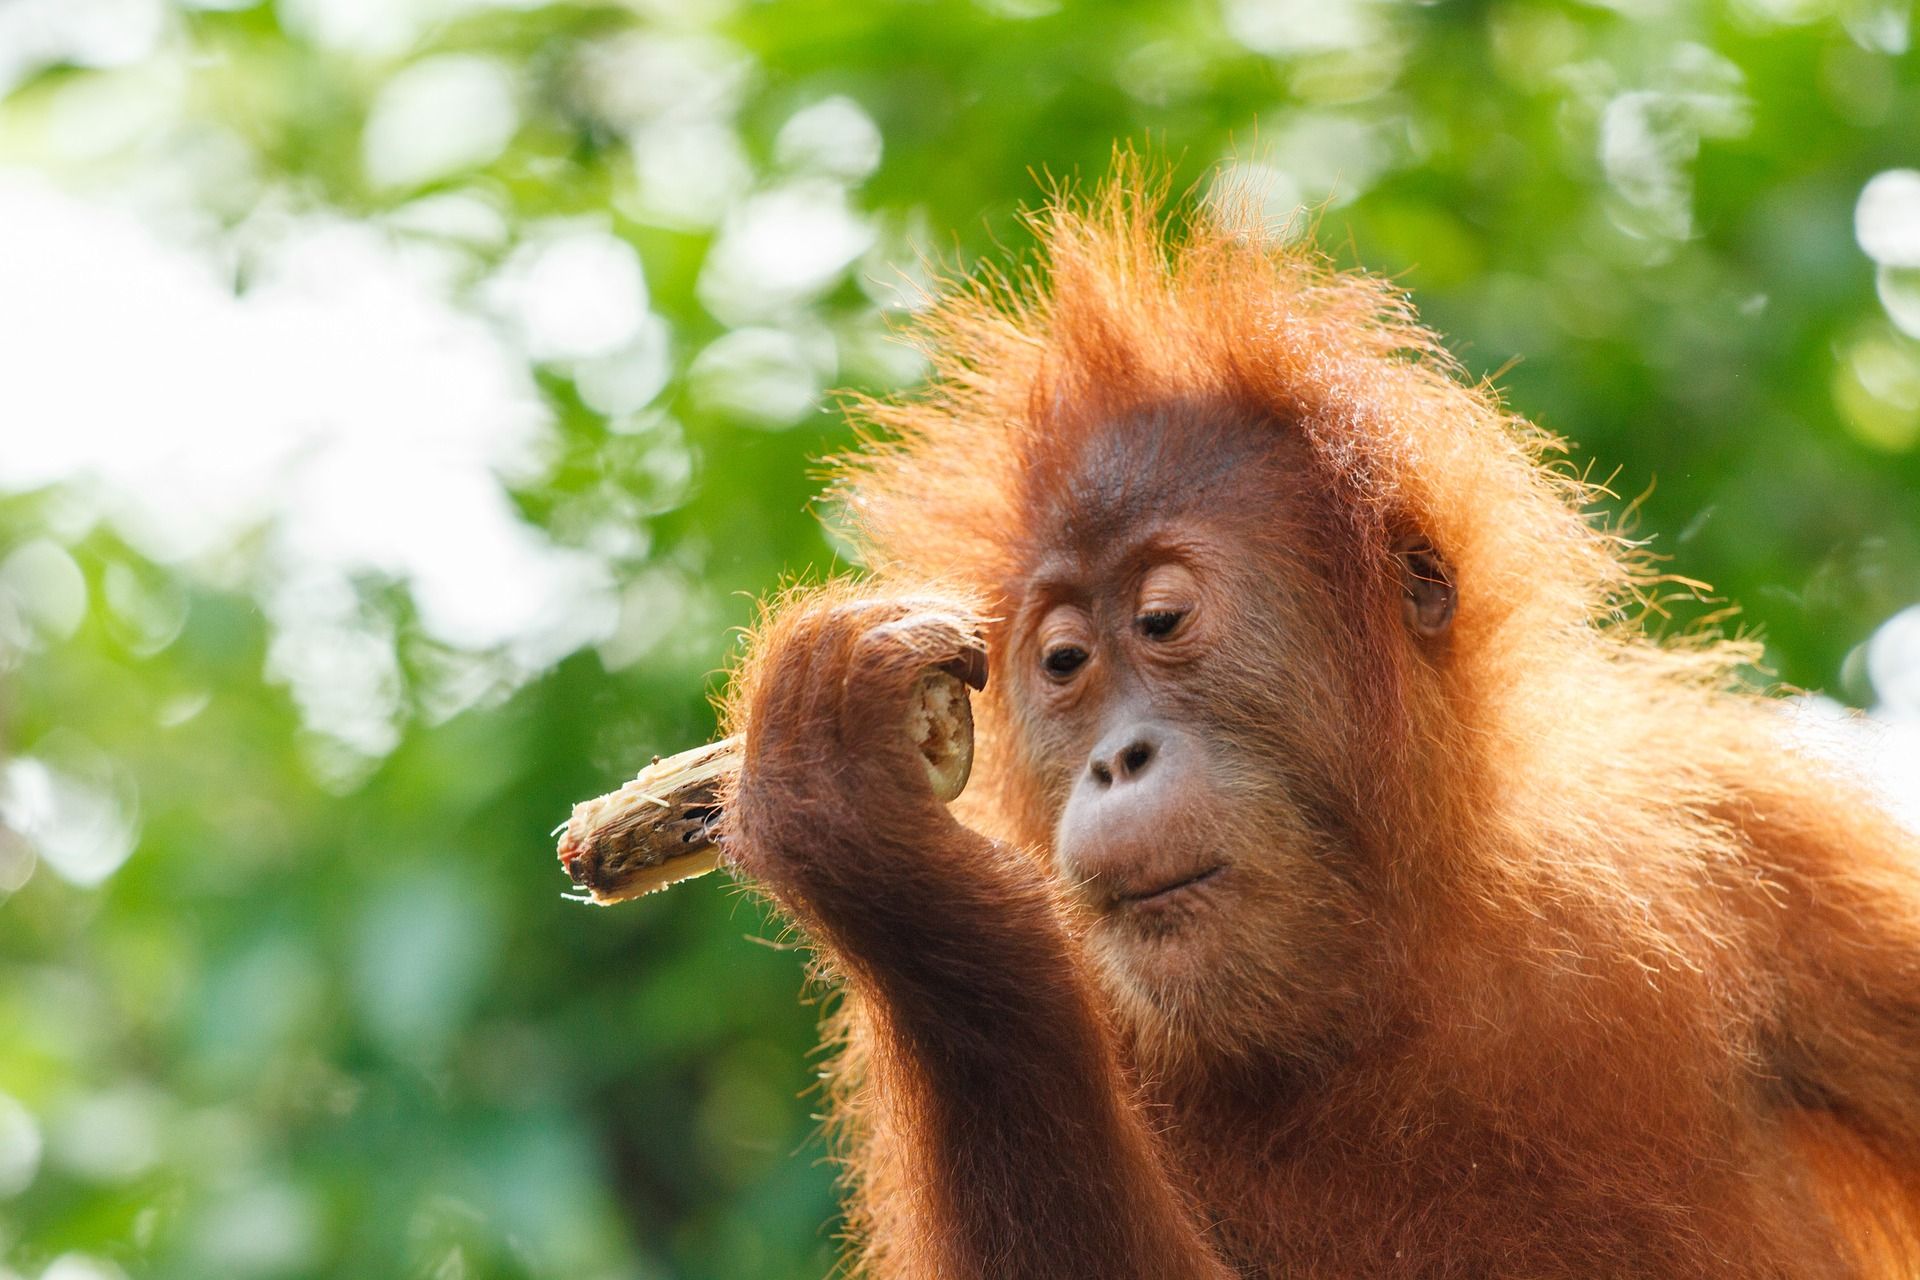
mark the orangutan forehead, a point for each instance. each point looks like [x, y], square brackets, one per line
[1159, 462]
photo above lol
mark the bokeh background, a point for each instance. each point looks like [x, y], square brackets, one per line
[401, 401]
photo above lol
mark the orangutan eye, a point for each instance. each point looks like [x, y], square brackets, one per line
[1158, 624]
[1063, 661]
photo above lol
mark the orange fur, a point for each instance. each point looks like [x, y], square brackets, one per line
[1648, 995]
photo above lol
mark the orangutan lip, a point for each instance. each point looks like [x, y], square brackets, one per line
[1166, 892]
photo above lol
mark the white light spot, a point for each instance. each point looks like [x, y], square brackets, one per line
[760, 375]
[1646, 162]
[1642, 10]
[1020, 10]
[176, 711]
[1886, 220]
[338, 663]
[643, 77]
[151, 617]
[20, 1147]
[1287, 27]
[369, 26]
[1876, 388]
[651, 607]
[780, 249]
[97, 120]
[83, 829]
[833, 138]
[1257, 191]
[686, 176]
[1882, 748]
[572, 294]
[85, 33]
[258, 1230]
[46, 586]
[463, 217]
[110, 1136]
[1649, 139]
[440, 116]
[626, 380]
[1784, 12]
[659, 477]
[1880, 26]
[17, 861]
[81, 1266]
[1879, 751]
[1893, 663]
[1324, 157]
[1899, 290]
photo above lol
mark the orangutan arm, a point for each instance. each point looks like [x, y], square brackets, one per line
[997, 1075]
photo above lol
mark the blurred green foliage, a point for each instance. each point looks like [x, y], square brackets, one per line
[332, 1016]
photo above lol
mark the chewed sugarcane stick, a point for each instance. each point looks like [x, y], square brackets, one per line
[659, 829]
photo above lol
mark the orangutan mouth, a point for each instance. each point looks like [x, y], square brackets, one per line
[1169, 892]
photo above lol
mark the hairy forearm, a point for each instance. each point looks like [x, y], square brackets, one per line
[1029, 1158]
[1015, 1149]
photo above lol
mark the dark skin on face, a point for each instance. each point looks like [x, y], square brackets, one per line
[1170, 685]
[1161, 834]
[1112, 673]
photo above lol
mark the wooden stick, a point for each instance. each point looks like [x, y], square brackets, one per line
[655, 831]
[660, 828]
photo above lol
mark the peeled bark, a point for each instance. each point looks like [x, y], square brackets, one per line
[659, 829]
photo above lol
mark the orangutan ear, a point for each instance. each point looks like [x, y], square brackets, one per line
[1427, 581]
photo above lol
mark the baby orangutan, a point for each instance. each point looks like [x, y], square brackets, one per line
[1343, 889]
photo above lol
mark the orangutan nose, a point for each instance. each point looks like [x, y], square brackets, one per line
[1122, 757]
[1135, 808]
